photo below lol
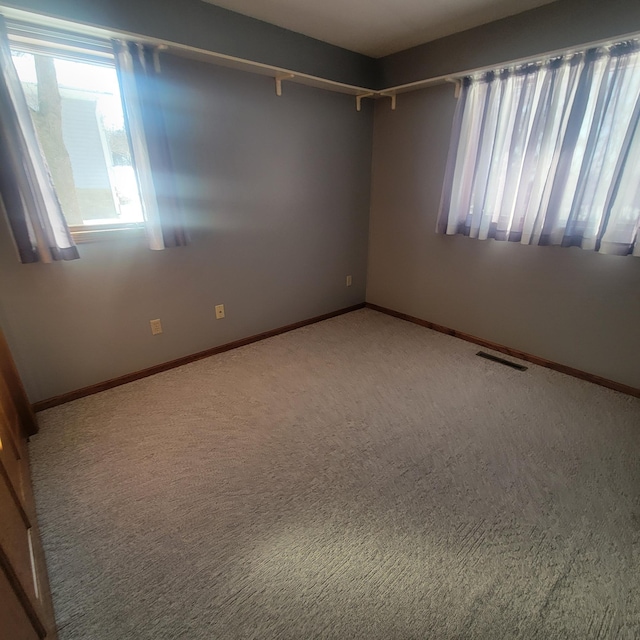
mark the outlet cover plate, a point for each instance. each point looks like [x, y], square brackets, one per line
[156, 326]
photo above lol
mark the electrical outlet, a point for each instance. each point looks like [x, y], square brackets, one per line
[219, 311]
[348, 281]
[156, 326]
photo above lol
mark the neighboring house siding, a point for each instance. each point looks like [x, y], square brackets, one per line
[85, 146]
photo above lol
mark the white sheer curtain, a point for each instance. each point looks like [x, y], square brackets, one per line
[31, 204]
[549, 154]
[139, 77]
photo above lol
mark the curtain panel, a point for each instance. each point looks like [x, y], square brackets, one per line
[35, 216]
[549, 153]
[138, 70]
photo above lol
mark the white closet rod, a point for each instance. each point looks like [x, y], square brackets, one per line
[280, 74]
[548, 55]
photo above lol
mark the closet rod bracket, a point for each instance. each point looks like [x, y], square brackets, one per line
[393, 99]
[279, 78]
[359, 99]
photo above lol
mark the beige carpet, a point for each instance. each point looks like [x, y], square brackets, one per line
[359, 478]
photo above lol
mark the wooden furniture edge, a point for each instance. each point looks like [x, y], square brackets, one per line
[28, 423]
[55, 401]
[21, 594]
[516, 353]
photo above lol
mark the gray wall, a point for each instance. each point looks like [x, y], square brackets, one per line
[205, 26]
[276, 195]
[571, 306]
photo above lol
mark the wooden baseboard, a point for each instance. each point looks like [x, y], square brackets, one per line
[41, 405]
[516, 353]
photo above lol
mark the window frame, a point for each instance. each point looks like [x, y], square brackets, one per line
[34, 39]
[87, 233]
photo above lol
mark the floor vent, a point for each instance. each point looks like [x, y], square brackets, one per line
[513, 365]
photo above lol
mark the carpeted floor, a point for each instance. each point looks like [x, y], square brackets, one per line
[358, 478]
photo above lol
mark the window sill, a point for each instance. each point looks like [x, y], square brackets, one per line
[83, 234]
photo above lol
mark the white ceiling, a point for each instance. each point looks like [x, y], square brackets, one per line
[378, 27]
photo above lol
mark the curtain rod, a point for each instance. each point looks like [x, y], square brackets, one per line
[548, 55]
[280, 74]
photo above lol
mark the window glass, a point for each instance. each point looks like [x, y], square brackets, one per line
[77, 112]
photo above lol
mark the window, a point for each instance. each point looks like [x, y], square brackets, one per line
[84, 140]
[549, 153]
[75, 105]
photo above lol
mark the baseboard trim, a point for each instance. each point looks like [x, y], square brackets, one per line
[516, 353]
[41, 405]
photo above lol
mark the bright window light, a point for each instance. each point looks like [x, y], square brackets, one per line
[77, 112]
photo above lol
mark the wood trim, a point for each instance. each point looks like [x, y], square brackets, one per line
[41, 405]
[516, 353]
[14, 496]
[21, 594]
[9, 374]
